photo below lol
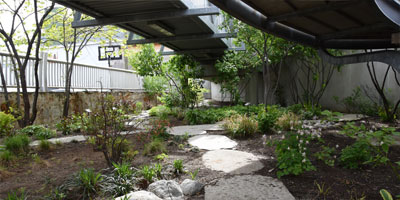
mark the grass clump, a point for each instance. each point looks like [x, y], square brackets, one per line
[156, 146]
[241, 126]
[39, 132]
[6, 123]
[288, 121]
[178, 166]
[44, 145]
[18, 144]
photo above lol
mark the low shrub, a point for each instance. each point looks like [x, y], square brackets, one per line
[6, 124]
[147, 173]
[240, 126]
[198, 116]
[159, 128]
[17, 195]
[138, 107]
[355, 155]
[38, 131]
[156, 146]
[325, 155]
[160, 111]
[121, 181]
[266, 118]
[178, 113]
[86, 184]
[69, 125]
[288, 121]
[6, 156]
[18, 144]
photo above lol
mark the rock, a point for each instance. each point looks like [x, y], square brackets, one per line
[191, 187]
[253, 187]
[212, 142]
[233, 162]
[139, 195]
[167, 190]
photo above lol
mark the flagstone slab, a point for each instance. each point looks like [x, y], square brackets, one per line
[212, 142]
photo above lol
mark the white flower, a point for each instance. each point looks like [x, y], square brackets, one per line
[283, 137]
[337, 146]
[288, 148]
[304, 154]
[334, 156]
[297, 137]
[304, 160]
[307, 142]
[114, 108]
[88, 110]
[301, 141]
[264, 137]
[319, 136]
[279, 132]
[381, 143]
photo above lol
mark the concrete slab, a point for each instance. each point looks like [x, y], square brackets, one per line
[193, 129]
[351, 117]
[212, 142]
[78, 138]
[246, 187]
[232, 162]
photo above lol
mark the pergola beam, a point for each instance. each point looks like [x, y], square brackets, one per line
[298, 13]
[147, 17]
[202, 51]
[343, 33]
[182, 38]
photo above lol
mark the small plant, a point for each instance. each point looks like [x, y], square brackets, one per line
[148, 173]
[6, 157]
[160, 111]
[158, 170]
[56, 194]
[331, 116]
[18, 195]
[326, 155]
[322, 189]
[357, 154]
[39, 132]
[159, 128]
[138, 107]
[161, 157]
[87, 183]
[240, 126]
[18, 144]
[292, 151]
[6, 124]
[288, 121]
[155, 146]
[178, 166]
[123, 170]
[121, 181]
[266, 119]
[193, 175]
[44, 145]
[69, 125]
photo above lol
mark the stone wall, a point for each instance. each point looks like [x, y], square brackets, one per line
[50, 105]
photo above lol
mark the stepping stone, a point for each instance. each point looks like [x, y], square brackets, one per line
[212, 142]
[63, 140]
[193, 129]
[351, 117]
[232, 162]
[254, 187]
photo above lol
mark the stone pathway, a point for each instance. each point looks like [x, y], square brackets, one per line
[248, 187]
[212, 142]
[195, 129]
[232, 162]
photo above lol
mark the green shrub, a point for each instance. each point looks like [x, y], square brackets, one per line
[325, 155]
[44, 145]
[159, 128]
[156, 146]
[160, 111]
[39, 132]
[6, 124]
[178, 166]
[292, 153]
[240, 126]
[355, 155]
[18, 144]
[178, 113]
[154, 85]
[138, 107]
[147, 173]
[197, 116]
[69, 125]
[161, 157]
[121, 181]
[172, 98]
[266, 119]
[18, 195]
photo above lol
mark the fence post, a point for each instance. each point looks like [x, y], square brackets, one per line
[43, 72]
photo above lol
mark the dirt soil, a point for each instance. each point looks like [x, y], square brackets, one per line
[59, 164]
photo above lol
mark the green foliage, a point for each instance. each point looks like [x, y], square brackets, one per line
[121, 181]
[193, 175]
[138, 107]
[160, 111]
[331, 116]
[148, 173]
[88, 183]
[354, 156]
[69, 125]
[159, 128]
[146, 62]
[155, 146]
[266, 119]
[6, 124]
[6, 156]
[38, 131]
[154, 85]
[240, 126]
[44, 145]
[178, 113]
[17, 195]
[178, 166]
[357, 102]
[292, 152]
[161, 157]
[325, 155]
[172, 98]
[385, 194]
[18, 144]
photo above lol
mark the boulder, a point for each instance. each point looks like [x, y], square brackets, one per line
[139, 195]
[191, 187]
[167, 190]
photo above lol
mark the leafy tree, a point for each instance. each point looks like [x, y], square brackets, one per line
[20, 36]
[146, 62]
[59, 32]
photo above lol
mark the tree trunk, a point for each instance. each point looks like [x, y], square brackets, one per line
[3, 82]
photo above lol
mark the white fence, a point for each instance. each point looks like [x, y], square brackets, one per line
[84, 77]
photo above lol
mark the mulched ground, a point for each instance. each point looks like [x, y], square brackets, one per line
[60, 163]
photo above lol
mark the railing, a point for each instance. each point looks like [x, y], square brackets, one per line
[84, 77]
